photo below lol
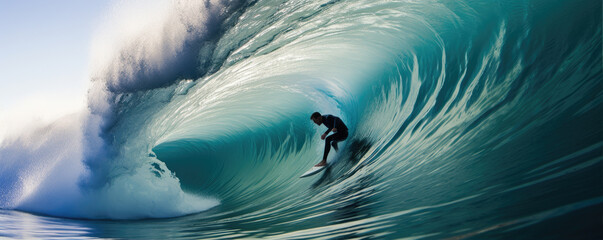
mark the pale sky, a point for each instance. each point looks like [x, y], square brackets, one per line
[44, 57]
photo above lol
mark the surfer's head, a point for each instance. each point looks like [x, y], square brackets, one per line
[317, 118]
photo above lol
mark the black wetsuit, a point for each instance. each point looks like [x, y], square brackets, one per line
[331, 122]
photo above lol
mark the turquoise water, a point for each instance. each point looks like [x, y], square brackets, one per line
[468, 120]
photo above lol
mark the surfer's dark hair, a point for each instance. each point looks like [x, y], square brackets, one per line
[315, 115]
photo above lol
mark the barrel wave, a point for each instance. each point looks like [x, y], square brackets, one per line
[467, 120]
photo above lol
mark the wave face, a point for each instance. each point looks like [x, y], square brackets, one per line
[465, 119]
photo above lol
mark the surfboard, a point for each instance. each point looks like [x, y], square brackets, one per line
[313, 170]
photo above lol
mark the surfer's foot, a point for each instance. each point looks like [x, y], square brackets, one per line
[321, 163]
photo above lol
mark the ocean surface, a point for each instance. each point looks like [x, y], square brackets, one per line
[468, 120]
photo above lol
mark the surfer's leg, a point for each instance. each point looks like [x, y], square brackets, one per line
[337, 137]
[328, 141]
[332, 140]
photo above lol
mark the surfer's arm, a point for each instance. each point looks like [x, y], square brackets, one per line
[324, 135]
[334, 128]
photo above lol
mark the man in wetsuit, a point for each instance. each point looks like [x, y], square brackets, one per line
[333, 124]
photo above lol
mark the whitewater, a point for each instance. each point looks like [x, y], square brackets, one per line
[468, 119]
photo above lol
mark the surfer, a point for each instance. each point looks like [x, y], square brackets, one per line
[334, 124]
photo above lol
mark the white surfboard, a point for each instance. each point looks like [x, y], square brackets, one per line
[313, 170]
